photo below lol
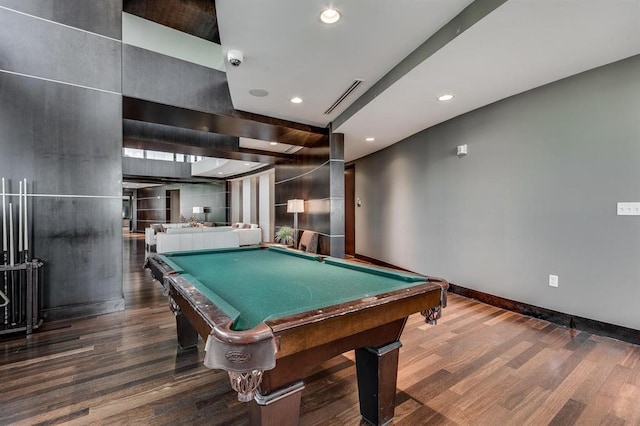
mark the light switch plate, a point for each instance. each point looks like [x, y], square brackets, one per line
[628, 209]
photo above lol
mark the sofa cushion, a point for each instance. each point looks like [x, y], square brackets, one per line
[174, 241]
[190, 230]
[218, 229]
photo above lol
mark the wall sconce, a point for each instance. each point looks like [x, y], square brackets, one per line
[295, 206]
[461, 150]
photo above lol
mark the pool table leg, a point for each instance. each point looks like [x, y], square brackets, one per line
[279, 408]
[187, 334]
[377, 371]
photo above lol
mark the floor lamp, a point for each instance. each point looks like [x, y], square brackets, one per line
[295, 206]
[198, 211]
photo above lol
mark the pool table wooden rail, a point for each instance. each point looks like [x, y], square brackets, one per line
[283, 351]
[299, 332]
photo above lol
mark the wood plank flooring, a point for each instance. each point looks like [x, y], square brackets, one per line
[479, 366]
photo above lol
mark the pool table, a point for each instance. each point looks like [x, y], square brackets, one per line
[271, 315]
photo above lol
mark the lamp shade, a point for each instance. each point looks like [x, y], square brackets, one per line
[295, 206]
[197, 210]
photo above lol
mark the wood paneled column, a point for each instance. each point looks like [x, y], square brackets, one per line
[336, 193]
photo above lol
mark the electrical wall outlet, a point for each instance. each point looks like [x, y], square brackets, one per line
[553, 280]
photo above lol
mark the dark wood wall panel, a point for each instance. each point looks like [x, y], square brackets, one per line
[311, 177]
[143, 135]
[102, 17]
[140, 167]
[166, 80]
[67, 142]
[65, 139]
[44, 49]
[304, 161]
[312, 183]
[212, 196]
[80, 240]
[151, 206]
[337, 185]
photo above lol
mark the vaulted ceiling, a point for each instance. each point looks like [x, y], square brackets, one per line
[406, 53]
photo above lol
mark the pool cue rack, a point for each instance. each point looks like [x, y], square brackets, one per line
[20, 276]
[22, 312]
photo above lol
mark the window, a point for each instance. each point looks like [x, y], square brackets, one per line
[133, 152]
[157, 155]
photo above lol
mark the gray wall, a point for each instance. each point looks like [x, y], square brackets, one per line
[61, 121]
[211, 195]
[536, 195]
[152, 204]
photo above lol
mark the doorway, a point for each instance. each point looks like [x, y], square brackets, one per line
[349, 210]
[174, 205]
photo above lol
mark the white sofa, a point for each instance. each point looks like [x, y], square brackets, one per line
[156, 228]
[249, 233]
[202, 238]
[196, 238]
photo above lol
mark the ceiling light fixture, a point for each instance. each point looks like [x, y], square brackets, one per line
[330, 16]
[273, 143]
[247, 164]
[296, 100]
[261, 93]
[369, 139]
[446, 97]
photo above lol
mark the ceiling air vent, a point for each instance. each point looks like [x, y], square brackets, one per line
[342, 97]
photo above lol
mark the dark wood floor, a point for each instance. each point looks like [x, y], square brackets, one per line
[479, 365]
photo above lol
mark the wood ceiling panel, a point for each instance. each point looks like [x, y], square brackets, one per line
[195, 17]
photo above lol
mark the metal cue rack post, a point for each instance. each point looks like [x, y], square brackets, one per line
[22, 313]
[20, 276]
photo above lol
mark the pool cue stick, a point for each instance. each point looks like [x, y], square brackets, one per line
[17, 310]
[4, 222]
[26, 256]
[4, 248]
[26, 225]
[20, 223]
[11, 257]
[25, 247]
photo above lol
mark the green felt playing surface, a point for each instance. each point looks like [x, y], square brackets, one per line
[253, 284]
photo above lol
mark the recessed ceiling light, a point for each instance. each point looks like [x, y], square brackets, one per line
[296, 100]
[273, 143]
[247, 164]
[220, 173]
[446, 97]
[369, 139]
[330, 16]
[261, 93]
